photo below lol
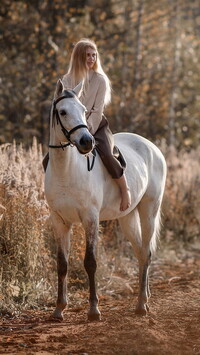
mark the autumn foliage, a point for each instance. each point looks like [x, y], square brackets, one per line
[149, 49]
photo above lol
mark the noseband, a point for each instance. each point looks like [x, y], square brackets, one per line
[66, 133]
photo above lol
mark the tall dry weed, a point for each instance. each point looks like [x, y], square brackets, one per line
[182, 195]
[25, 255]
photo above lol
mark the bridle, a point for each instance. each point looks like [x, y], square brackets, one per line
[66, 133]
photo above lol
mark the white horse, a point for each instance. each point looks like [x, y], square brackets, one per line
[75, 194]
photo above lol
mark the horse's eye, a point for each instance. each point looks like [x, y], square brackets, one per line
[63, 112]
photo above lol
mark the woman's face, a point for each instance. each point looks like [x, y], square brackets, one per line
[91, 57]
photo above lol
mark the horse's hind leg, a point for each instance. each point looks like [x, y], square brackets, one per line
[131, 228]
[91, 231]
[62, 234]
[149, 211]
[140, 228]
[130, 225]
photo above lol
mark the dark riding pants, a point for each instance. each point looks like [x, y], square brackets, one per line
[109, 153]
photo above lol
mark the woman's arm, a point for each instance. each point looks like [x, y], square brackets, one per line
[95, 116]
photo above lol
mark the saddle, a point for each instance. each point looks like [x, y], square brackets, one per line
[118, 155]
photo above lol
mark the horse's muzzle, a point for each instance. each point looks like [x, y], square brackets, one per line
[86, 144]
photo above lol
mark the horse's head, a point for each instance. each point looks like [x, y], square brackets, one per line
[70, 115]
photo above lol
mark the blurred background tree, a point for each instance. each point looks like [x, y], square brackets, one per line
[150, 51]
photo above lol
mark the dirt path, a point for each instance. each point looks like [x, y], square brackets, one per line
[171, 327]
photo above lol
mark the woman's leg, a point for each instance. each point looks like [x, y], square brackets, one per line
[105, 146]
[125, 193]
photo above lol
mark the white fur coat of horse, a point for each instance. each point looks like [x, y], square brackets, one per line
[75, 194]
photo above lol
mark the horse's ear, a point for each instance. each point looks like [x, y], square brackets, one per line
[59, 88]
[78, 89]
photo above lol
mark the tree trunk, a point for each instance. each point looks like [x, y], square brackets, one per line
[175, 25]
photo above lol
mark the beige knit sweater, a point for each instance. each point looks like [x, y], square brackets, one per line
[92, 98]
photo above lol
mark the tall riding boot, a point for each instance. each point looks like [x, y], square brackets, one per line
[125, 193]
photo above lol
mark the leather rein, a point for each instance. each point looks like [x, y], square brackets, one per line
[67, 133]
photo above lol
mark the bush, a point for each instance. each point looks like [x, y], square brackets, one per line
[24, 248]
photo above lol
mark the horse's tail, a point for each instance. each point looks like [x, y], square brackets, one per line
[156, 234]
[157, 207]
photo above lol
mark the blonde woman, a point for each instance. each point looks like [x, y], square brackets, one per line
[85, 65]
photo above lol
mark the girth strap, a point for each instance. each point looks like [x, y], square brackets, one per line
[90, 167]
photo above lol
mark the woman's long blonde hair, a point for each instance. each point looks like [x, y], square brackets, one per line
[77, 67]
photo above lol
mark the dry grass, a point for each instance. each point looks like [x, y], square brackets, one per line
[27, 248]
[25, 254]
[182, 196]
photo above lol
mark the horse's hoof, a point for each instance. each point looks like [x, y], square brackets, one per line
[94, 316]
[141, 311]
[57, 316]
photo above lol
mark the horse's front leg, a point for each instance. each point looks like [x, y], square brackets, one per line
[62, 234]
[91, 230]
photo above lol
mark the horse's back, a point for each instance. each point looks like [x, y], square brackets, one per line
[137, 143]
[134, 146]
[143, 156]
